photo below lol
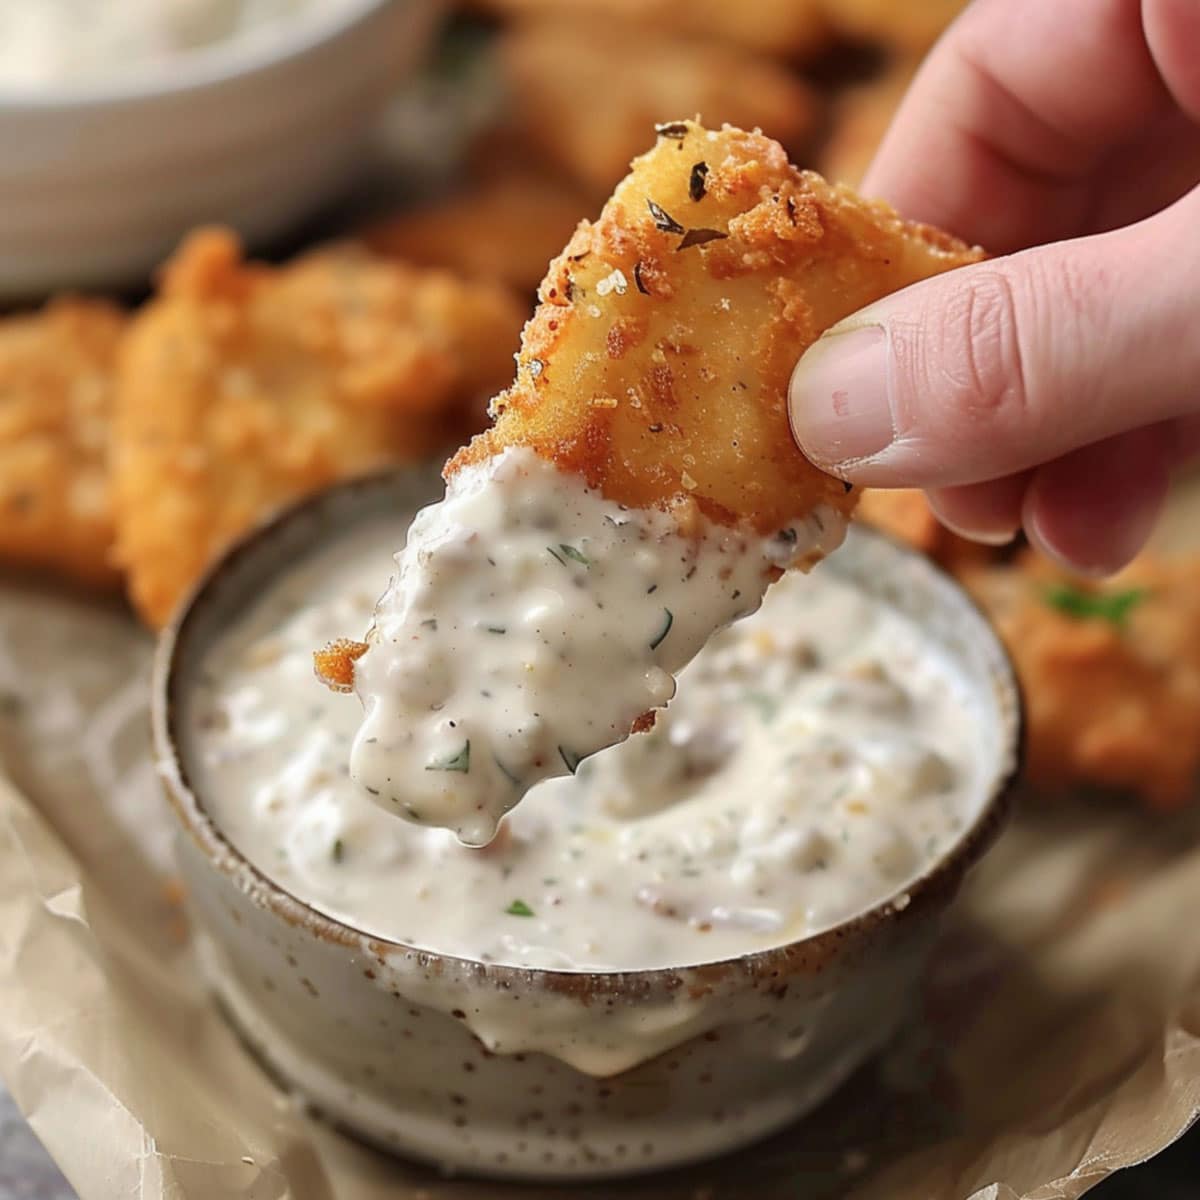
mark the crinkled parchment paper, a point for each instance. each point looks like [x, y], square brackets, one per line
[1057, 1037]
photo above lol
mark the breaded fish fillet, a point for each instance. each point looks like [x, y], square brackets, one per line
[657, 362]
[57, 371]
[585, 92]
[640, 487]
[1110, 672]
[788, 28]
[505, 227]
[243, 386]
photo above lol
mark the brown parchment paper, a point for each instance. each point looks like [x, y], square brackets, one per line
[1057, 1037]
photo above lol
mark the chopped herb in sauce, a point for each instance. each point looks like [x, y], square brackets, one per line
[495, 629]
[338, 853]
[1083, 605]
[660, 637]
[570, 759]
[430, 623]
[663, 219]
[518, 908]
[697, 237]
[697, 181]
[456, 762]
[575, 555]
[513, 779]
[767, 706]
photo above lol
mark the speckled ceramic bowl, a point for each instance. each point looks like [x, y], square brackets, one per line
[550, 1074]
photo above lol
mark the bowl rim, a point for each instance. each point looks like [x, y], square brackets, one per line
[201, 68]
[935, 886]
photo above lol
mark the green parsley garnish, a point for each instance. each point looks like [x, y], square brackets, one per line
[575, 555]
[456, 762]
[339, 850]
[660, 637]
[495, 629]
[1113, 607]
[518, 908]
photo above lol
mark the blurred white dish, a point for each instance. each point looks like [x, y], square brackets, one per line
[99, 180]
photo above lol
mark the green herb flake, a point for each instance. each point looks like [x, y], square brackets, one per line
[456, 762]
[766, 705]
[575, 555]
[338, 853]
[496, 628]
[570, 758]
[1083, 605]
[661, 636]
[518, 908]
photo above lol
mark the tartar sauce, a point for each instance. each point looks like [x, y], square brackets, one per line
[819, 755]
[531, 623]
[45, 42]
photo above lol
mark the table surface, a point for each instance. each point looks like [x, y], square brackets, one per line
[26, 1172]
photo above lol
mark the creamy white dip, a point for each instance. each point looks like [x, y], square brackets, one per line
[531, 622]
[819, 756]
[45, 42]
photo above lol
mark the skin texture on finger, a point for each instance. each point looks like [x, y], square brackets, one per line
[1004, 108]
[995, 368]
[1094, 510]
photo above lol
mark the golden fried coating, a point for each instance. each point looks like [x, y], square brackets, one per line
[334, 665]
[788, 28]
[505, 228]
[904, 513]
[658, 360]
[244, 386]
[587, 93]
[902, 24]
[861, 117]
[56, 385]
[1111, 673]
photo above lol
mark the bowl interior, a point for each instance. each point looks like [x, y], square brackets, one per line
[897, 575]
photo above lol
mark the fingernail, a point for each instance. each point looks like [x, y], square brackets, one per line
[838, 399]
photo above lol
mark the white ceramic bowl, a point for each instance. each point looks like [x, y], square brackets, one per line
[98, 182]
[488, 1068]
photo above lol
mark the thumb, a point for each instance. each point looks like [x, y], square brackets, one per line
[994, 368]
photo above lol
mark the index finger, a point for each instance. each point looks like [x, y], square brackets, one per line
[1015, 108]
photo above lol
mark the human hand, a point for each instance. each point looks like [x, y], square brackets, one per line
[1059, 386]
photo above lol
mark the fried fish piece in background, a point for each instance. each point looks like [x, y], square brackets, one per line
[503, 227]
[906, 25]
[585, 92]
[1110, 673]
[783, 28]
[243, 386]
[861, 116]
[904, 513]
[57, 372]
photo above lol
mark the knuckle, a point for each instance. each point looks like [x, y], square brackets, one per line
[981, 350]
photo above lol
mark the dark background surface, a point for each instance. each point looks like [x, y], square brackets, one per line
[26, 1172]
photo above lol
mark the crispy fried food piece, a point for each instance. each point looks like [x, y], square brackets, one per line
[244, 386]
[903, 24]
[787, 28]
[904, 513]
[56, 383]
[504, 228]
[657, 363]
[334, 665]
[1110, 672]
[587, 93]
[861, 117]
